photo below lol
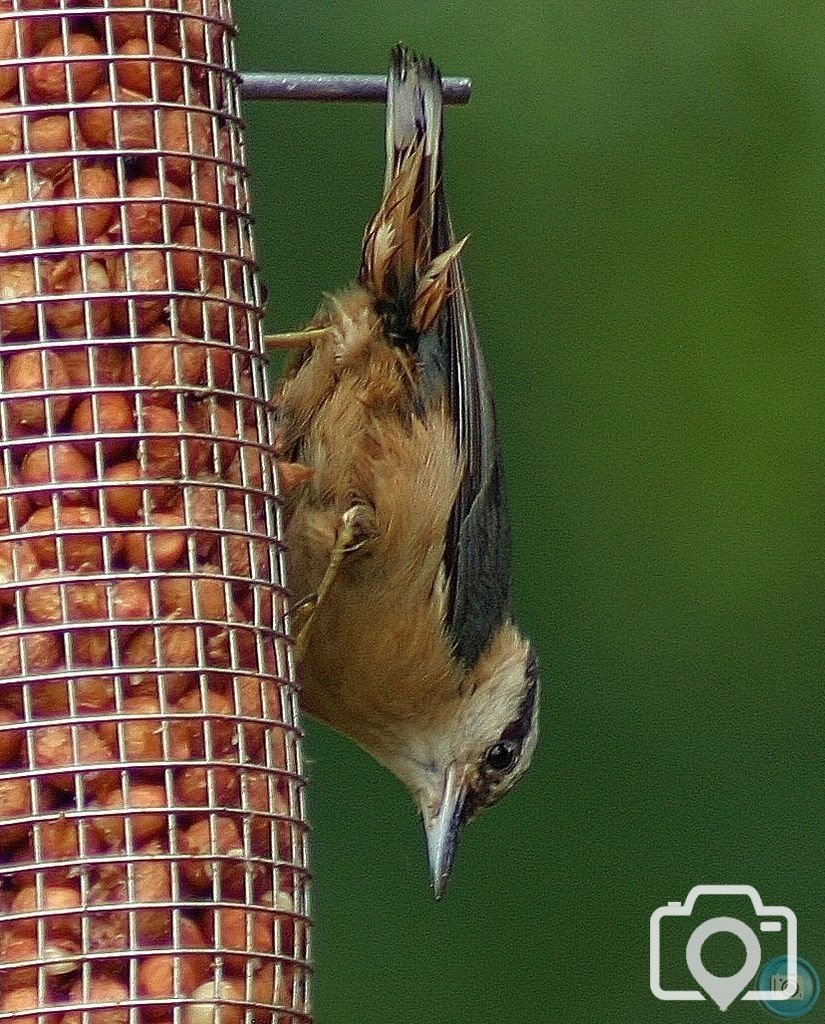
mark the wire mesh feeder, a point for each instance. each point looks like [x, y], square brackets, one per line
[152, 837]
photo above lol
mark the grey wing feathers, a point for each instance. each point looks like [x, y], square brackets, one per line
[477, 552]
[477, 545]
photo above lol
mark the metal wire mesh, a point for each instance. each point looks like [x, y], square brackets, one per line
[152, 836]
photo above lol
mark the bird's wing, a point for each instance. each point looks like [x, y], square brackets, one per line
[477, 547]
[477, 544]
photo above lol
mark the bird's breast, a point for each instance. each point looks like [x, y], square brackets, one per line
[376, 653]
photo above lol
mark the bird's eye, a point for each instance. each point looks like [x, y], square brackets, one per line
[501, 757]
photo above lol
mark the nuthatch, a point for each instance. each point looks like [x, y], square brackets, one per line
[397, 534]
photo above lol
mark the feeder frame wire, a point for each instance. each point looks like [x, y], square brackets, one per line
[325, 87]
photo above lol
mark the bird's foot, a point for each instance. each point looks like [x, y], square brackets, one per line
[356, 529]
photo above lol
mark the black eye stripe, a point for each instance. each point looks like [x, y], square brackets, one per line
[519, 728]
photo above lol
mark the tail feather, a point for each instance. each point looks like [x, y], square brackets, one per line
[403, 241]
[415, 118]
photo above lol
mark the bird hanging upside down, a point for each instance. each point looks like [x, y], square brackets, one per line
[396, 531]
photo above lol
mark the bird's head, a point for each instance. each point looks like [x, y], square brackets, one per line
[477, 749]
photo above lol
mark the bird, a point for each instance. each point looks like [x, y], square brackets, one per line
[397, 537]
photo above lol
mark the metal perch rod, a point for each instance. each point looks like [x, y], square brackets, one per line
[323, 87]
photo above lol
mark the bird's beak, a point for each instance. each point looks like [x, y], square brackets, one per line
[442, 824]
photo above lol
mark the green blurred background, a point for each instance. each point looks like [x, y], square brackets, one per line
[644, 184]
